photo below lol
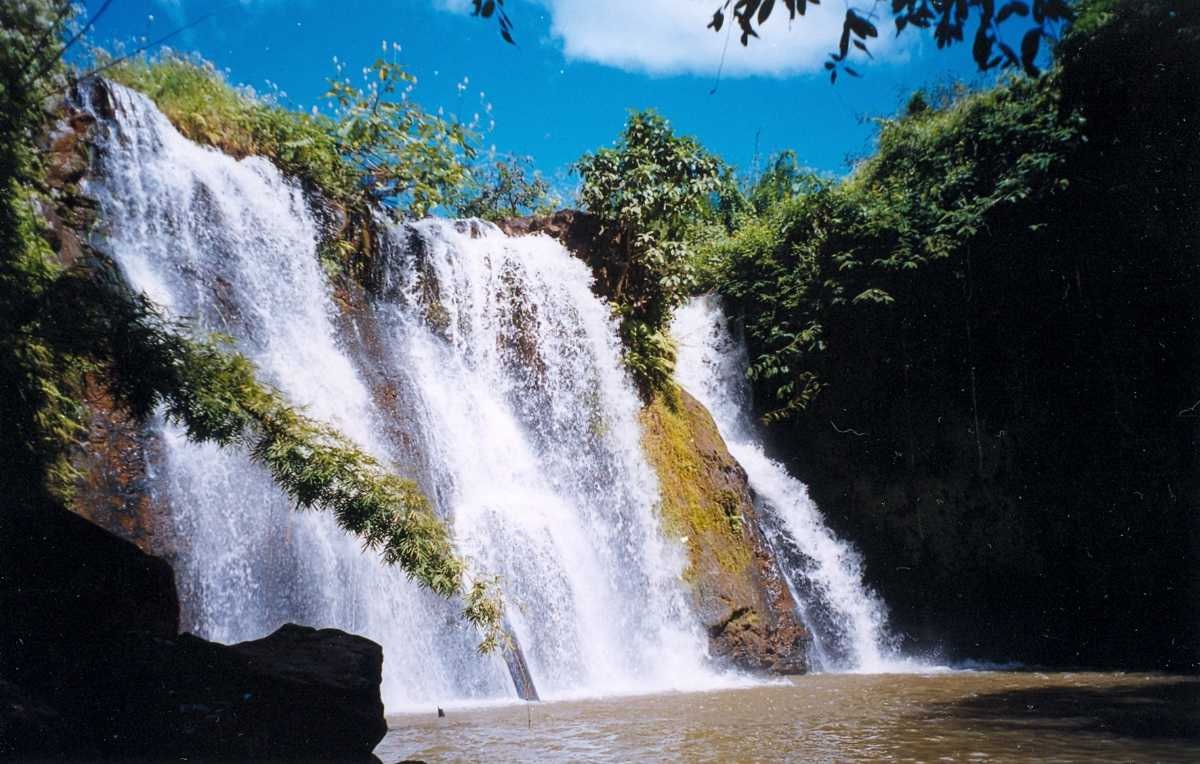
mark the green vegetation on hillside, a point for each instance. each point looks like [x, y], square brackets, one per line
[840, 255]
[377, 147]
[980, 350]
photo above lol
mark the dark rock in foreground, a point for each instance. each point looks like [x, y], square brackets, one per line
[91, 665]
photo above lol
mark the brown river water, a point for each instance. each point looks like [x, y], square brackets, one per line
[951, 716]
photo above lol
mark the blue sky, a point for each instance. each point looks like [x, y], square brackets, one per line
[577, 68]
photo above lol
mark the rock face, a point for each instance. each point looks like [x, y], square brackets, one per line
[114, 466]
[91, 663]
[576, 230]
[736, 583]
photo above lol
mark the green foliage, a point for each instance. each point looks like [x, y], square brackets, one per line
[509, 188]
[485, 610]
[1093, 15]
[784, 179]
[40, 404]
[410, 157]
[41, 414]
[647, 191]
[377, 147]
[829, 252]
[649, 354]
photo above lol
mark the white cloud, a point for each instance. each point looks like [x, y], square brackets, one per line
[670, 37]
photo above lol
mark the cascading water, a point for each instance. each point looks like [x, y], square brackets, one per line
[232, 246]
[847, 621]
[536, 444]
[516, 418]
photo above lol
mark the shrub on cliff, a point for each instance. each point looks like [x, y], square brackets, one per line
[508, 187]
[376, 146]
[646, 192]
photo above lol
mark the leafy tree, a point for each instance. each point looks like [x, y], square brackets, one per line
[784, 179]
[409, 157]
[510, 188]
[646, 192]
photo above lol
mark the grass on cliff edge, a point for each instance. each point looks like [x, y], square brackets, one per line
[205, 108]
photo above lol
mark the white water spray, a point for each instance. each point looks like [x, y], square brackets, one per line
[532, 427]
[231, 245]
[846, 620]
[510, 408]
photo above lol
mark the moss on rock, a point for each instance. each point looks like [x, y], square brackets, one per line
[706, 503]
[698, 484]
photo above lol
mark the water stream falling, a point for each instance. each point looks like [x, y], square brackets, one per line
[507, 404]
[847, 621]
[531, 424]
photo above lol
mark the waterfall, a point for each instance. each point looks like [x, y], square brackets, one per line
[533, 429]
[846, 620]
[507, 404]
[231, 245]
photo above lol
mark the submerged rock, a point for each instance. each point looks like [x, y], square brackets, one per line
[737, 587]
[91, 664]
